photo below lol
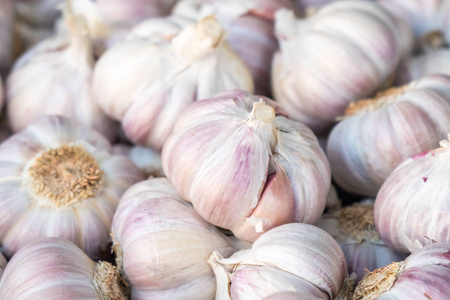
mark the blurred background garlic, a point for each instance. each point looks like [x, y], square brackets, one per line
[245, 166]
[412, 208]
[53, 269]
[423, 275]
[6, 35]
[146, 84]
[376, 135]
[162, 244]
[354, 229]
[67, 61]
[146, 159]
[58, 179]
[295, 257]
[307, 73]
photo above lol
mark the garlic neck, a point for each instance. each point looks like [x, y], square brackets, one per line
[266, 114]
[357, 222]
[108, 282]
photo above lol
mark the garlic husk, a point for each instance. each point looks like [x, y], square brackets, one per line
[246, 167]
[412, 206]
[307, 78]
[3, 263]
[376, 135]
[53, 268]
[6, 34]
[59, 179]
[167, 76]
[423, 275]
[39, 13]
[67, 60]
[146, 159]
[162, 244]
[295, 257]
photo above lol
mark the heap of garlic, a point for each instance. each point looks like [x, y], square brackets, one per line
[342, 53]
[6, 34]
[245, 166]
[162, 245]
[59, 179]
[54, 269]
[146, 159]
[376, 135]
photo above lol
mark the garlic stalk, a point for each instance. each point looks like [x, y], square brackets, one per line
[6, 34]
[59, 179]
[162, 244]
[294, 257]
[146, 159]
[411, 208]
[166, 77]
[245, 166]
[53, 268]
[423, 275]
[376, 135]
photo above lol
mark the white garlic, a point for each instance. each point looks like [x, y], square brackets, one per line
[377, 134]
[59, 179]
[412, 206]
[55, 269]
[246, 167]
[162, 245]
[146, 83]
[146, 159]
[6, 34]
[307, 73]
[291, 257]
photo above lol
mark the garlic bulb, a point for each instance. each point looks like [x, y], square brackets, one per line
[6, 34]
[54, 269]
[59, 180]
[159, 29]
[290, 296]
[2, 264]
[412, 206]
[376, 135]
[423, 275]
[147, 83]
[39, 13]
[353, 228]
[294, 257]
[308, 80]
[246, 167]
[162, 244]
[67, 62]
[146, 159]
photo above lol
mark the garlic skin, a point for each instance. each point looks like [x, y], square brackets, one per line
[307, 77]
[146, 159]
[295, 257]
[290, 296]
[60, 180]
[376, 135]
[6, 34]
[162, 244]
[412, 207]
[246, 167]
[53, 269]
[423, 275]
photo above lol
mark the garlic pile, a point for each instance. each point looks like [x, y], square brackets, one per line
[245, 166]
[59, 179]
[342, 53]
[294, 257]
[147, 83]
[6, 34]
[55, 269]
[376, 135]
[423, 275]
[412, 208]
[146, 159]
[162, 244]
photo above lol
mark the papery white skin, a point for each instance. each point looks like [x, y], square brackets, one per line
[146, 159]
[363, 149]
[41, 13]
[159, 29]
[67, 60]
[242, 172]
[306, 257]
[167, 76]
[6, 34]
[290, 296]
[165, 244]
[307, 73]
[2, 264]
[412, 208]
[26, 216]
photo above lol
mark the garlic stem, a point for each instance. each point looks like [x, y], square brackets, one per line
[357, 222]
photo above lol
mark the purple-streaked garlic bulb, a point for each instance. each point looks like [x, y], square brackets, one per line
[39, 13]
[59, 179]
[423, 275]
[162, 244]
[342, 53]
[354, 229]
[377, 134]
[67, 61]
[146, 83]
[146, 159]
[412, 208]
[54, 269]
[295, 257]
[245, 166]
[6, 34]
[3, 263]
